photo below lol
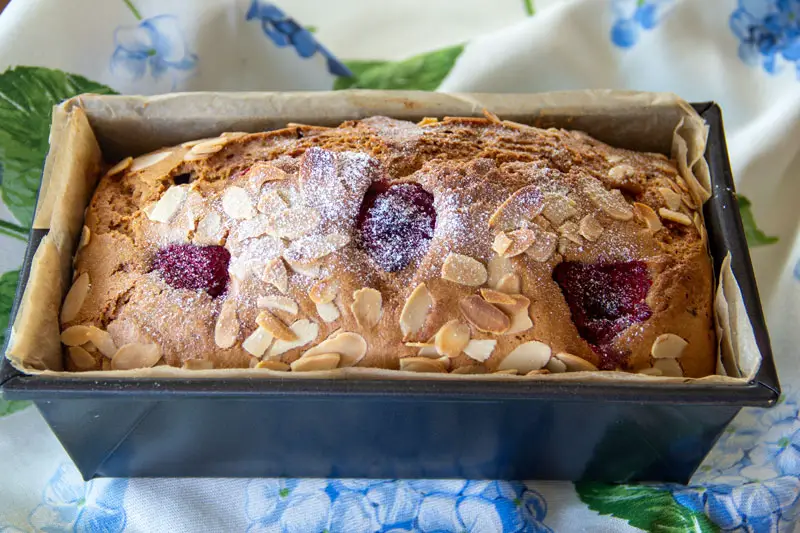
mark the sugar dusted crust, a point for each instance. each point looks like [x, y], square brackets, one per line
[286, 206]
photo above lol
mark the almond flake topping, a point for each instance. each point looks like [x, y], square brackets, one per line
[120, 167]
[611, 202]
[590, 228]
[226, 329]
[103, 341]
[518, 312]
[573, 363]
[75, 335]
[483, 315]
[350, 346]
[671, 198]
[144, 161]
[325, 361]
[276, 366]
[558, 208]
[295, 222]
[237, 204]
[498, 267]
[277, 303]
[415, 310]
[524, 204]
[367, 307]
[668, 346]
[645, 213]
[452, 338]
[510, 284]
[258, 342]
[669, 367]
[674, 216]
[75, 298]
[463, 269]
[422, 364]
[543, 246]
[480, 350]
[82, 359]
[168, 204]
[136, 355]
[306, 332]
[328, 312]
[276, 275]
[273, 324]
[532, 355]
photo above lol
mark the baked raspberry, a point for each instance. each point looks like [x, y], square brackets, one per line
[186, 266]
[605, 299]
[396, 223]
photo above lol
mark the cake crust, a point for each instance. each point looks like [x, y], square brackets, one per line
[545, 248]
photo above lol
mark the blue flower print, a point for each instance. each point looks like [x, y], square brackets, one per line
[284, 31]
[70, 504]
[769, 31]
[155, 44]
[632, 16]
[751, 480]
[368, 506]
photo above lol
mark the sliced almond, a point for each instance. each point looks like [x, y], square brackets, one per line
[428, 349]
[614, 158]
[421, 364]
[556, 366]
[323, 291]
[367, 307]
[497, 297]
[668, 346]
[89, 347]
[275, 274]
[277, 303]
[570, 231]
[168, 204]
[258, 342]
[651, 372]
[325, 361]
[674, 216]
[420, 345]
[698, 223]
[575, 363]
[328, 312]
[611, 202]
[415, 310]
[209, 230]
[120, 167]
[309, 270]
[189, 144]
[105, 364]
[563, 245]
[501, 244]
[483, 315]
[75, 298]
[590, 228]
[646, 214]
[233, 134]
[498, 267]
[480, 350]
[509, 284]
[524, 204]
[237, 204]
[271, 202]
[669, 367]
[136, 355]
[102, 340]
[82, 359]
[620, 173]
[268, 364]
[543, 247]
[295, 222]
[86, 235]
[262, 172]
[452, 338]
[75, 335]
[350, 346]
[518, 312]
[226, 329]
[507, 372]
[521, 240]
[463, 269]
[314, 247]
[540, 372]
[558, 208]
[208, 147]
[273, 324]
[531, 355]
[306, 332]
[148, 160]
[197, 364]
[671, 198]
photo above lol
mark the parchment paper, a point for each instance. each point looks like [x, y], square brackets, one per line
[117, 126]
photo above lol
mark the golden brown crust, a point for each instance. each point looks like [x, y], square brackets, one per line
[471, 166]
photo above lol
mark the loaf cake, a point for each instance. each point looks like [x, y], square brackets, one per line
[462, 245]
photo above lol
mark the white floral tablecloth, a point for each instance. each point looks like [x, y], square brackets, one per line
[745, 55]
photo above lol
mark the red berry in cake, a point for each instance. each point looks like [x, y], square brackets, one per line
[396, 224]
[605, 299]
[186, 266]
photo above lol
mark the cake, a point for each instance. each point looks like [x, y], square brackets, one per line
[461, 245]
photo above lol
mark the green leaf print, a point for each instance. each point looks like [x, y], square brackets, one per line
[424, 72]
[648, 508]
[27, 96]
[755, 237]
[8, 287]
[8, 407]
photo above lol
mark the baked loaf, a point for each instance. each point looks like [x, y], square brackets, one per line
[464, 245]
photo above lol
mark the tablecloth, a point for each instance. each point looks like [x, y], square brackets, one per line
[743, 54]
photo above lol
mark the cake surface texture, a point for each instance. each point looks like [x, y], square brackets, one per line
[464, 245]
